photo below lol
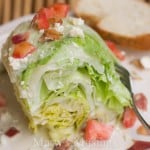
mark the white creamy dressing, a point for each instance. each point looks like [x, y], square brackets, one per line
[6, 121]
[145, 62]
[3, 140]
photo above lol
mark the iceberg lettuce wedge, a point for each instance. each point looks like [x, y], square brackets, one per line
[69, 80]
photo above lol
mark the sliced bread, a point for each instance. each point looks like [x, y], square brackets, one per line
[126, 22]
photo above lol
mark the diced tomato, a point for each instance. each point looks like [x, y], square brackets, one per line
[60, 10]
[119, 54]
[95, 130]
[49, 12]
[55, 11]
[2, 100]
[141, 101]
[18, 38]
[129, 118]
[11, 132]
[41, 21]
[23, 49]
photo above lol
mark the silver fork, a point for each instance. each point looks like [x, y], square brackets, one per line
[125, 79]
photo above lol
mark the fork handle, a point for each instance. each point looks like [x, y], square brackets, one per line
[141, 119]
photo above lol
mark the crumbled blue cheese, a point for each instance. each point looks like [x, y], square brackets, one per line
[76, 32]
[58, 27]
[18, 64]
[76, 21]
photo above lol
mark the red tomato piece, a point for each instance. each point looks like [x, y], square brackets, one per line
[97, 131]
[11, 132]
[18, 38]
[59, 10]
[49, 12]
[41, 21]
[23, 49]
[2, 100]
[115, 50]
[141, 101]
[129, 117]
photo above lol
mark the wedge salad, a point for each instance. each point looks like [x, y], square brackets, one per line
[64, 77]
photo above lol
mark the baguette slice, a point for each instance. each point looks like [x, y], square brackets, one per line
[126, 22]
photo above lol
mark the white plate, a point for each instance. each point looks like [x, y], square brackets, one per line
[25, 140]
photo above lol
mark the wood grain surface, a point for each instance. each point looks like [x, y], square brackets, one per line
[12, 9]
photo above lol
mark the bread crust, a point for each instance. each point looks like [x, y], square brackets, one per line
[140, 42]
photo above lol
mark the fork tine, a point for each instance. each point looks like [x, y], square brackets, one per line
[122, 69]
[124, 75]
[125, 79]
